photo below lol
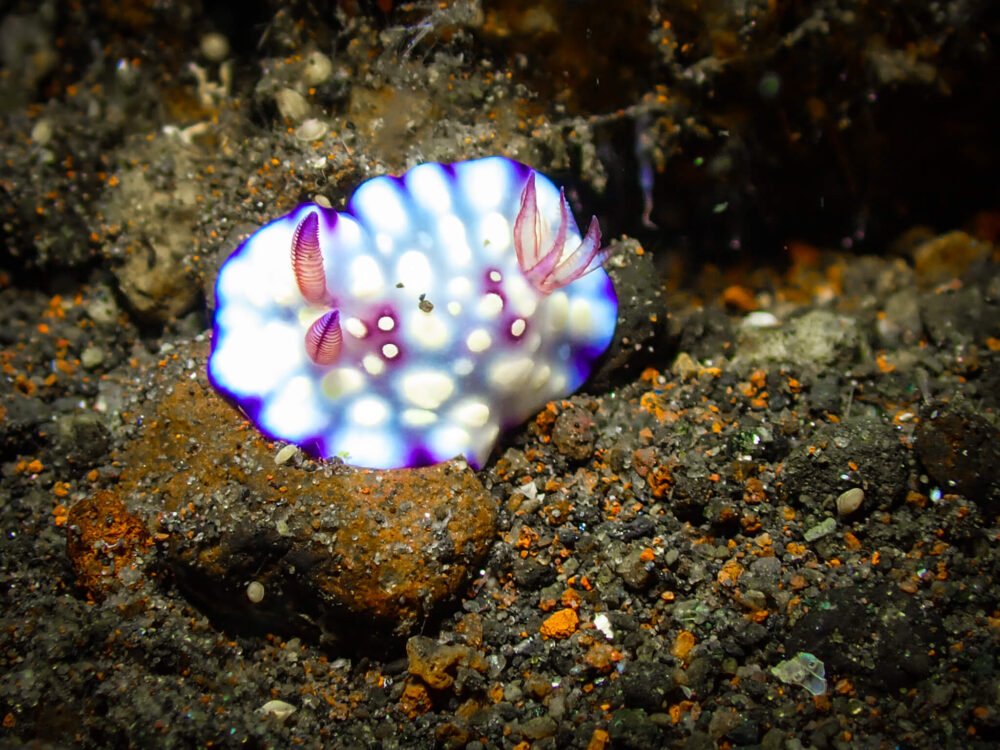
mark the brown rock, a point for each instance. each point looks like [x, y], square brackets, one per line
[452, 734]
[105, 544]
[160, 220]
[336, 549]
[947, 256]
[602, 656]
[573, 433]
[961, 451]
[415, 699]
[155, 285]
[435, 663]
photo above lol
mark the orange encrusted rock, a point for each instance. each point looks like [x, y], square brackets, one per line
[321, 542]
[561, 624]
[104, 543]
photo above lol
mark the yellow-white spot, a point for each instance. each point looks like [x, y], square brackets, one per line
[269, 276]
[356, 328]
[485, 182]
[241, 280]
[490, 305]
[495, 276]
[384, 243]
[373, 365]
[350, 239]
[454, 241]
[510, 374]
[309, 315]
[459, 287]
[292, 413]
[413, 269]
[454, 308]
[472, 413]
[369, 411]
[428, 330]
[540, 377]
[517, 327]
[557, 308]
[386, 323]
[418, 417]
[237, 316]
[581, 318]
[340, 382]
[364, 446]
[390, 351]
[366, 280]
[478, 341]
[521, 296]
[463, 366]
[449, 441]
[427, 389]
[428, 186]
[379, 203]
[256, 361]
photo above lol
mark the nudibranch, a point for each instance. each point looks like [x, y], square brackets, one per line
[437, 309]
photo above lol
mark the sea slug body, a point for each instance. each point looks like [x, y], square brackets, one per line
[437, 309]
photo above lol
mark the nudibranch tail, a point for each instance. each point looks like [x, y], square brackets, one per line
[307, 260]
[549, 270]
[324, 338]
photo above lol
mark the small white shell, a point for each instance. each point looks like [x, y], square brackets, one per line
[277, 709]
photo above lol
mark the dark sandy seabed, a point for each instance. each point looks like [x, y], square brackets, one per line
[769, 521]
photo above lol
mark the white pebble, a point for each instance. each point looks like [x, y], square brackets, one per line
[292, 105]
[285, 454]
[214, 46]
[760, 319]
[311, 130]
[91, 357]
[850, 501]
[602, 623]
[255, 592]
[278, 709]
[41, 133]
[318, 69]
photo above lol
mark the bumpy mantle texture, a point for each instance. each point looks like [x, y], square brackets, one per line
[439, 308]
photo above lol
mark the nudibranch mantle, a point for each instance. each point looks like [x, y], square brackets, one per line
[438, 309]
